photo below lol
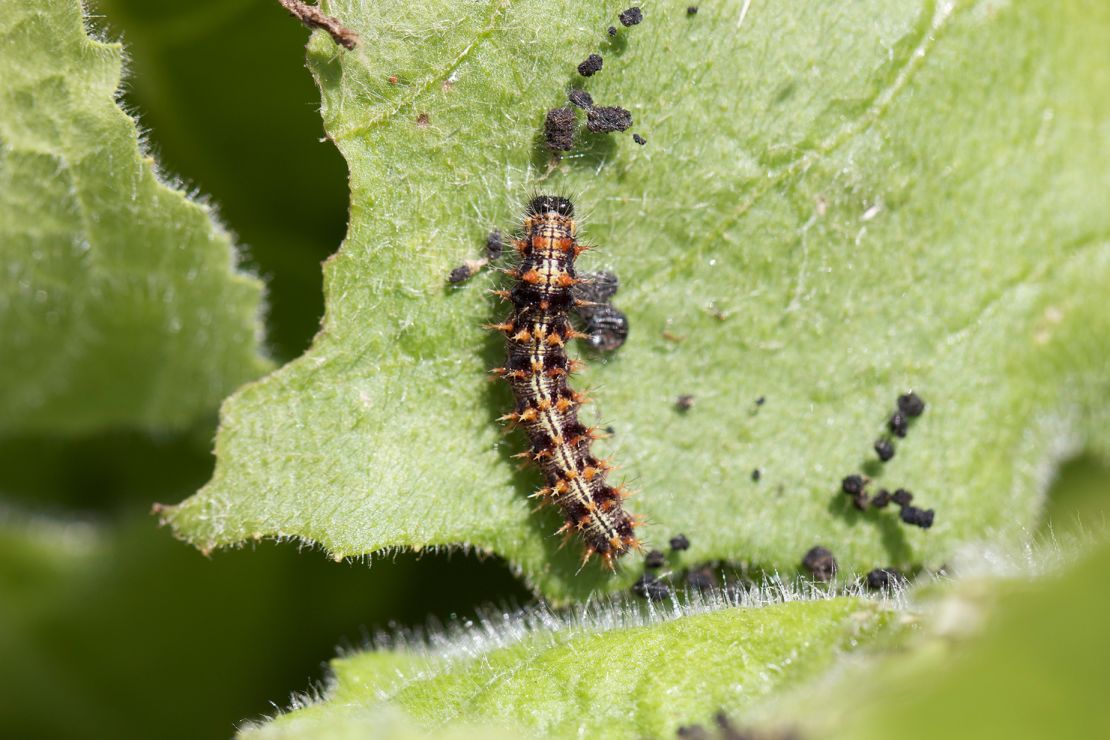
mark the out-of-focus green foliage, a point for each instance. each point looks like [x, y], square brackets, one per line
[116, 630]
[221, 85]
[1080, 500]
[830, 209]
[1013, 659]
[119, 303]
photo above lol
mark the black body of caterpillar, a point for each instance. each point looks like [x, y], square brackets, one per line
[537, 369]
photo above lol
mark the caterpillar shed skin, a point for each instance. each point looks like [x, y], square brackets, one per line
[537, 368]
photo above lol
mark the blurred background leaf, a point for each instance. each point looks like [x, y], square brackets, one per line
[222, 88]
[995, 653]
[1036, 670]
[119, 301]
[116, 630]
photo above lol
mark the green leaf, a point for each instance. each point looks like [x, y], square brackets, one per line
[836, 203]
[612, 672]
[119, 301]
[1015, 658]
[1054, 632]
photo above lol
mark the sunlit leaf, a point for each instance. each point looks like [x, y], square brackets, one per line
[836, 203]
[611, 673]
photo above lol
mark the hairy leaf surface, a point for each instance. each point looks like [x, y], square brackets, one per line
[836, 203]
[609, 674]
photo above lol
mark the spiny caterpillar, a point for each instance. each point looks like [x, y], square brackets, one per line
[537, 368]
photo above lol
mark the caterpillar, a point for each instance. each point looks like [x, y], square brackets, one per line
[537, 369]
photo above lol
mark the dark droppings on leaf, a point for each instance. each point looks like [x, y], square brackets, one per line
[821, 564]
[581, 98]
[591, 65]
[607, 327]
[606, 119]
[757, 474]
[680, 543]
[639, 139]
[692, 10]
[597, 287]
[558, 129]
[654, 559]
[612, 30]
[917, 517]
[883, 578]
[684, 402]
[466, 270]
[631, 17]
[911, 404]
[495, 245]
[884, 449]
[649, 587]
[853, 485]
[898, 424]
